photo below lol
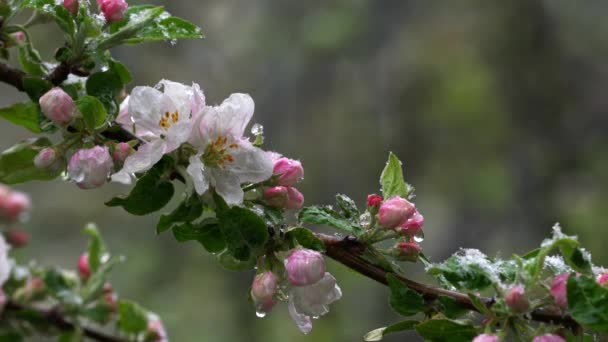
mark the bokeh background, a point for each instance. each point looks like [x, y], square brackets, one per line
[497, 109]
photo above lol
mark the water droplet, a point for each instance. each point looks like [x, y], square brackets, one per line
[365, 219]
[260, 314]
[419, 236]
[257, 129]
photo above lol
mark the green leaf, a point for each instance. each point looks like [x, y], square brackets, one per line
[378, 334]
[106, 85]
[96, 247]
[22, 114]
[94, 285]
[163, 26]
[30, 60]
[468, 270]
[101, 312]
[392, 181]
[131, 317]
[136, 19]
[17, 163]
[93, 112]
[404, 301]
[58, 12]
[588, 302]
[450, 307]
[71, 336]
[327, 216]
[151, 193]
[35, 87]
[348, 207]
[478, 304]
[440, 330]
[569, 246]
[229, 262]
[244, 231]
[189, 210]
[208, 233]
[305, 238]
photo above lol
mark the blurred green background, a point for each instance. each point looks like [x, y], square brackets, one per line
[497, 108]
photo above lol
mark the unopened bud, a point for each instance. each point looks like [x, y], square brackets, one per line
[549, 338]
[17, 238]
[18, 37]
[47, 159]
[263, 288]
[284, 197]
[486, 338]
[121, 152]
[516, 299]
[407, 251]
[71, 6]
[602, 279]
[295, 199]
[395, 212]
[58, 106]
[413, 225]
[559, 291]
[83, 266]
[13, 205]
[289, 171]
[374, 200]
[304, 267]
[156, 330]
[113, 10]
[90, 168]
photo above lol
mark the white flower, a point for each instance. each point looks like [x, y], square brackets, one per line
[312, 301]
[163, 119]
[5, 265]
[226, 159]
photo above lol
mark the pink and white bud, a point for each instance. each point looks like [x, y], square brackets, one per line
[13, 205]
[413, 225]
[90, 168]
[47, 159]
[295, 199]
[395, 212]
[304, 267]
[486, 338]
[374, 200]
[83, 266]
[121, 152]
[276, 196]
[156, 330]
[58, 106]
[17, 238]
[602, 279]
[549, 338]
[113, 10]
[263, 288]
[516, 299]
[407, 251]
[559, 291]
[72, 6]
[289, 171]
[18, 37]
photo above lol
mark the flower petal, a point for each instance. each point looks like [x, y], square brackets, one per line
[177, 97]
[251, 164]
[198, 100]
[302, 321]
[145, 108]
[196, 170]
[227, 185]
[228, 119]
[178, 134]
[313, 300]
[142, 160]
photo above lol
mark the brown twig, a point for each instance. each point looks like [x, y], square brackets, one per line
[57, 320]
[11, 75]
[348, 251]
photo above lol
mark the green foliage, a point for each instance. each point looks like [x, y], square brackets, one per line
[17, 163]
[404, 301]
[22, 114]
[348, 207]
[588, 302]
[305, 238]
[244, 231]
[329, 217]
[93, 112]
[35, 87]
[450, 307]
[378, 334]
[392, 181]
[189, 210]
[440, 330]
[107, 85]
[465, 271]
[96, 247]
[207, 232]
[132, 318]
[152, 191]
[61, 16]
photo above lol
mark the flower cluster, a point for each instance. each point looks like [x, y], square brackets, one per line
[305, 284]
[112, 10]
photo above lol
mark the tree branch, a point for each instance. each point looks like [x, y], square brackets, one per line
[56, 319]
[348, 251]
[13, 76]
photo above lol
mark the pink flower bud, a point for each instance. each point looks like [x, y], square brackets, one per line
[413, 225]
[19, 37]
[46, 158]
[374, 200]
[71, 6]
[602, 279]
[156, 330]
[395, 212]
[90, 168]
[17, 238]
[58, 106]
[408, 251]
[83, 266]
[263, 289]
[289, 171]
[276, 196]
[295, 199]
[121, 152]
[549, 338]
[113, 10]
[13, 205]
[486, 338]
[516, 299]
[304, 267]
[558, 290]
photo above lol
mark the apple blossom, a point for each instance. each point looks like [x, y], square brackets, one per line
[312, 301]
[288, 171]
[162, 119]
[558, 290]
[304, 267]
[395, 212]
[13, 204]
[121, 152]
[549, 338]
[17, 238]
[602, 279]
[413, 225]
[486, 338]
[374, 200]
[263, 288]
[58, 106]
[71, 6]
[156, 329]
[407, 251]
[226, 159]
[113, 10]
[295, 199]
[516, 299]
[90, 168]
[83, 266]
